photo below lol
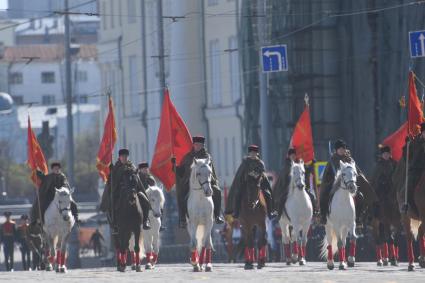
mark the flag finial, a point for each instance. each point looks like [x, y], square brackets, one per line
[306, 100]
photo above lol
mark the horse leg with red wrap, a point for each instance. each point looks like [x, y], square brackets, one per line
[202, 256]
[352, 256]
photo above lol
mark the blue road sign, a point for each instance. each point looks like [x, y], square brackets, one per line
[274, 58]
[319, 169]
[417, 43]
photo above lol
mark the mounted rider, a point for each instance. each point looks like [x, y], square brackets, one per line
[249, 163]
[148, 180]
[123, 167]
[365, 196]
[49, 183]
[381, 180]
[281, 189]
[182, 180]
[416, 167]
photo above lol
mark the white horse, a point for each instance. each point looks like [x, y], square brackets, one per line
[151, 237]
[299, 211]
[58, 223]
[342, 217]
[200, 208]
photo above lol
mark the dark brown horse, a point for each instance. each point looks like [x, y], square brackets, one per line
[253, 220]
[386, 225]
[413, 223]
[129, 219]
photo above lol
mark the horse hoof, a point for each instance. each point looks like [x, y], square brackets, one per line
[394, 262]
[342, 266]
[57, 269]
[351, 261]
[63, 269]
[294, 258]
[122, 268]
[248, 266]
[138, 268]
[208, 268]
[49, 267]
[411, 267]
[261, 264]
[331, 265]
[379, 263]
[197, 268]
[302, 261]
[148, 266]
[133, 267]
[385, 261]
[288, 263]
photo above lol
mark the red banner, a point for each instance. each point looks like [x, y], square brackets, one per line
[302, 138]
[415, 113]
[104, 155]
[396, 141]
[36, 160]
[173, 139]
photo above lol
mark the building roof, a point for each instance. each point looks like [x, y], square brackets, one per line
[46, 52]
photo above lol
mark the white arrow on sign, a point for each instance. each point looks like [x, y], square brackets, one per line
[274, 53]
[422, 40]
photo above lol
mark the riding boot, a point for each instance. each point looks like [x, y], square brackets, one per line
[359, 202]
[74, 211]
[217, 205]
[182, 195]
[144, 203]
[313, 201]
[324, 204]
[282, 202]
[267, 193]
[162, 227]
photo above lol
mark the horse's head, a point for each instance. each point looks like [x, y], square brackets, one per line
[156, 199]
[348, 173]
[298, 174]
[201, 175]
[128, 190]
[63, 202]
[253, 179]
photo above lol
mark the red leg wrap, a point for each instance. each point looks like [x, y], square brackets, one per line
[378, 253]
[342, 254]
[208, 256]
[385, 250]
[330, 253]
[58, 257]
[253, 254]
[262, 253]
[353, 248]
[133, 257]
[194, 258]
[295, 248]
[137, 259]
[63, 258]
[422, 246]
[154, 258]
[410, 255]
[287, 251]
[202, 256]
[392, 251]
[248, 257]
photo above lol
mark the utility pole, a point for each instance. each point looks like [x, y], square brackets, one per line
[68, 89]
[161, 50]
[74, 244]
[263, 86]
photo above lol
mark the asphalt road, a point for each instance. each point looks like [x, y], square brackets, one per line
[274, 272]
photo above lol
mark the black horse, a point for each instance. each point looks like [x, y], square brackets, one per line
[129, 217]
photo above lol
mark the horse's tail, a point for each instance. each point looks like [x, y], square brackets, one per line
[414, 225]
[325, 244]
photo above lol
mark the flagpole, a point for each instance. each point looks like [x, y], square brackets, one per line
[112, 161]
[172, 140]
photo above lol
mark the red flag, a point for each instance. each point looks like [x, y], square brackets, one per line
[396, 141]
[36, 160]
[415, 113]
[104, 155]
[173, 139]
[302, 138]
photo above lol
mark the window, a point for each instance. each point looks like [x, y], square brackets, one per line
[133, 87]
[48, 99]
[131, 11]
[215, 72]
[212, 2]
[81, 99]
[48, 77]
[81, 76]
[18, 99]
[15, 78]
[112, 14]
[234, 68]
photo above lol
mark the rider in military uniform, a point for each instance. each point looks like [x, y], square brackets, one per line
[416, 167]
[382, 176]
[8, 234]
[122, 167]
[281, 189]
[182, 180]
[147, 181]
[55, 180]
[365, 195]
[235, 196]
[23, 239]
